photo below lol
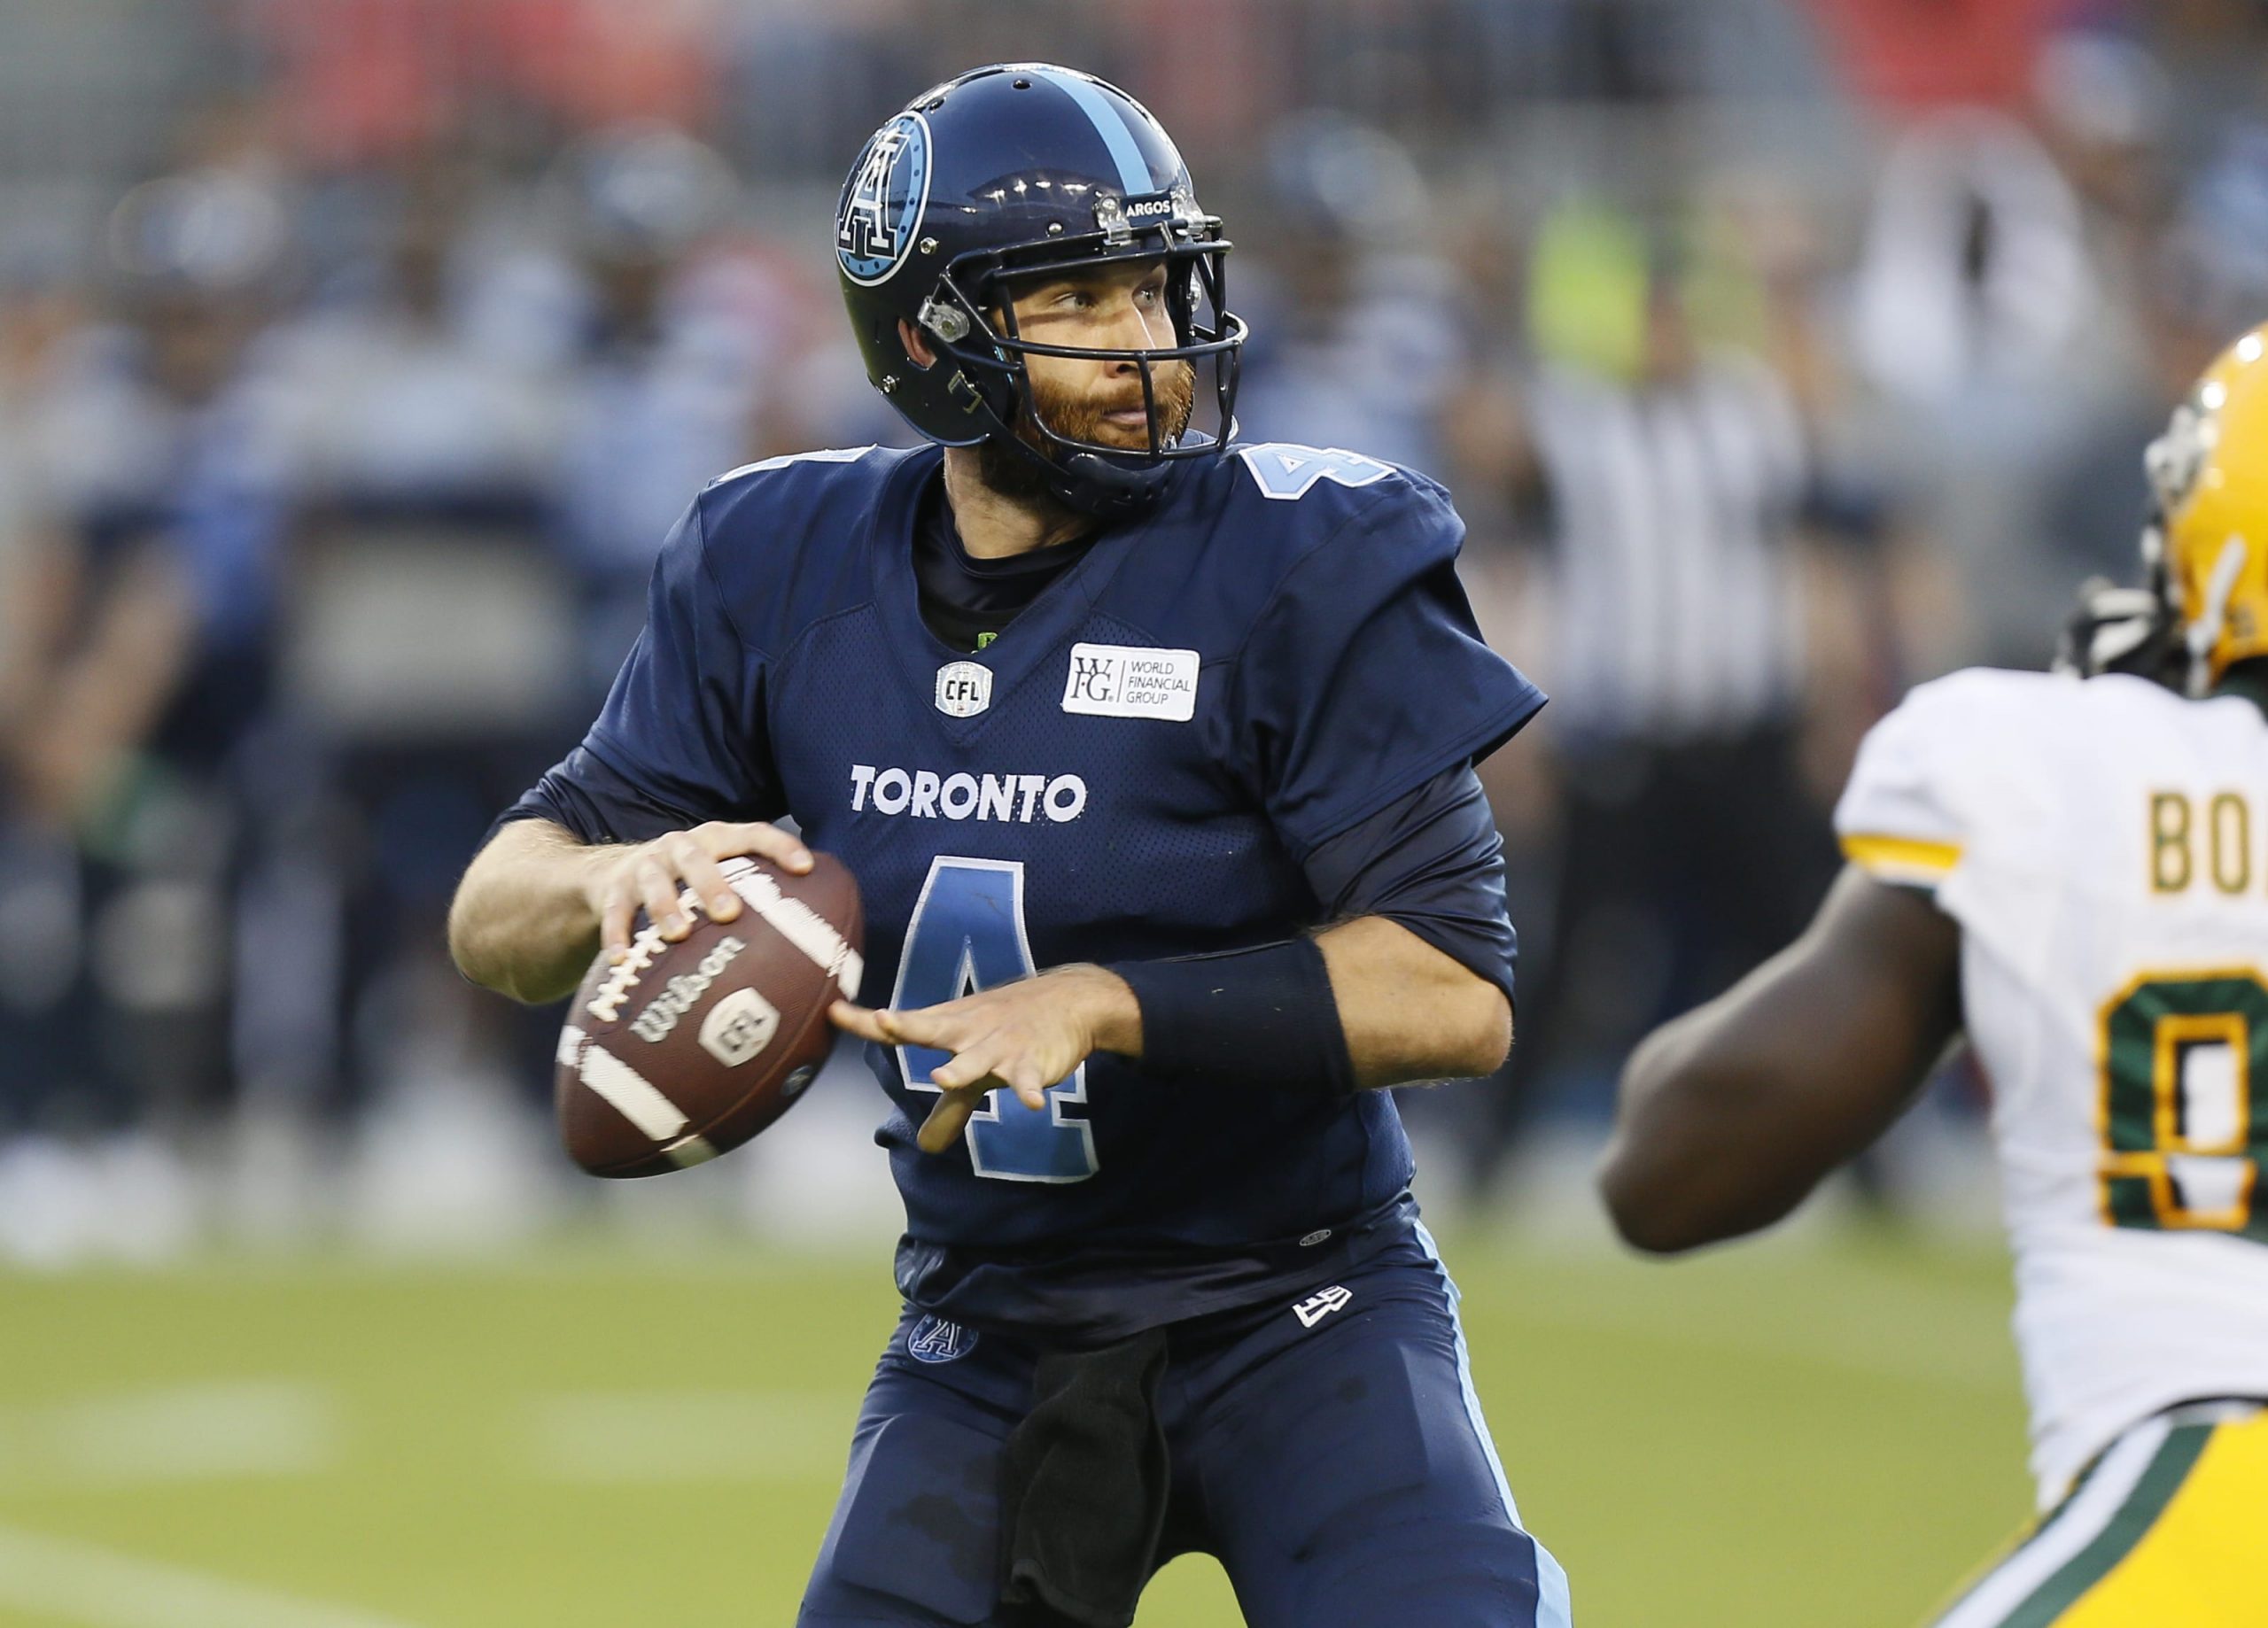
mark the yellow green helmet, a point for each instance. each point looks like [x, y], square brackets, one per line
[2210, 544]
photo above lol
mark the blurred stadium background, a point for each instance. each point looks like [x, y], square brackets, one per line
[355, 355]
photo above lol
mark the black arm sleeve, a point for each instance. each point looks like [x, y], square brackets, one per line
[1432, 861]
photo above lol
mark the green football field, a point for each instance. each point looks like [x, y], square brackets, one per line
[1822, 1432]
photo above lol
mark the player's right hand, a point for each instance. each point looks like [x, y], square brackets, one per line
[651, 875]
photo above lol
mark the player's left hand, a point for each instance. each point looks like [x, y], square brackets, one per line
[1024, 1036]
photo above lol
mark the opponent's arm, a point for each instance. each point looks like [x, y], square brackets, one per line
[1731, 1115]
[536, 905]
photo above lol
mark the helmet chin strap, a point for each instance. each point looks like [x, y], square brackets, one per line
[2212, 616]
[1096, 486]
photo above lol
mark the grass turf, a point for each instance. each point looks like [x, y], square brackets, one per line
[1824, 1431]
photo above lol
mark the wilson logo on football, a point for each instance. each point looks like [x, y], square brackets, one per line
[683, 992]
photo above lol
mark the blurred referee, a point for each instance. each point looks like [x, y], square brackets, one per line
[1663, 484]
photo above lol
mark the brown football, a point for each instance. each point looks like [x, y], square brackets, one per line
[679, 1052]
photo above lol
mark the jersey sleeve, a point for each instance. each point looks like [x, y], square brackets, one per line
[1432, 861]
[1903, 818]
[681, 738]
[1365, 676]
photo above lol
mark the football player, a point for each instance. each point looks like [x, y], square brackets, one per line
[2074, 875]
[1188, 724]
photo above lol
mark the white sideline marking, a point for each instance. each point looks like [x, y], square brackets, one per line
[1922, 1364]
[1713, 1319]
[185, 1433]
[99, 1588]
[605, 1437]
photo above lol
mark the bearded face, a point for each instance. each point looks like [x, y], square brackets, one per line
[1078, 405]
[1119, 311]
[1099, 412]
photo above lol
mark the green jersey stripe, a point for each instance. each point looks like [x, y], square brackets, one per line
[2169, 1467]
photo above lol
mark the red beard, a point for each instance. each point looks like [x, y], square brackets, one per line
[1174, 384]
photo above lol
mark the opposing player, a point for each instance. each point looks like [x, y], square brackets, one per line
[1190, 726]
[2075, 873]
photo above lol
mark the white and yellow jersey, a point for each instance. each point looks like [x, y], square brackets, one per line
[2103, 846]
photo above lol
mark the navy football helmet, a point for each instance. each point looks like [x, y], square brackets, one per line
[1006, 171]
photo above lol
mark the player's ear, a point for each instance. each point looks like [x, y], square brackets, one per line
[916, 344]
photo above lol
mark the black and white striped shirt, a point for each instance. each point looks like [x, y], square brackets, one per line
[1676, 609]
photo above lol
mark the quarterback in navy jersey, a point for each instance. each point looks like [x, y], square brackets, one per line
[1151, 753]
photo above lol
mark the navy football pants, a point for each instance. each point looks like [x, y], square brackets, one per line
[1340, 1472]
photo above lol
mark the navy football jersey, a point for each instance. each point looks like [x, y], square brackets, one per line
[1136, 767]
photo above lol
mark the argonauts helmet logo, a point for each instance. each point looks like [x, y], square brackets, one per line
[881, 211]
[936, 1340]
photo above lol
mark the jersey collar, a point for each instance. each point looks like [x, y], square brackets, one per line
[1041, 631]
[2251, 685]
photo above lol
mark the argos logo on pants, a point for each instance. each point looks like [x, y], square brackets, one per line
[923, 793]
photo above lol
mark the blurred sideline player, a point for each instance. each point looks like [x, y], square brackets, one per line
[147, 795]
[1086, 685]
[2075, 873]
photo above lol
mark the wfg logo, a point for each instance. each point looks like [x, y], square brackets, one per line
[1132, 681]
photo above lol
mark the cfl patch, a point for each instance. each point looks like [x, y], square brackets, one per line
[1321, 1303]
[1131, 681]
[964, 688]
[739, 1026]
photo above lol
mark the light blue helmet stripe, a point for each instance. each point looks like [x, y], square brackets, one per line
[1133, 168]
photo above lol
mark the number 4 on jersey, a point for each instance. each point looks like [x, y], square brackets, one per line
[1286, 471]
[967, 933]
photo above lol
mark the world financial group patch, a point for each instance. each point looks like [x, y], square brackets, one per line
[936, 1340]
[1131, 681]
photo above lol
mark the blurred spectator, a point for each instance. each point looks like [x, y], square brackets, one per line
[144, 803]
[408, 407]
[1974, 273]
[526, 311]
[1666, 476]
[2202, 278]
[1357, 338]
[1962, 53]
[427, 650]
[676, 346]
[374, 80]
[1980, 315]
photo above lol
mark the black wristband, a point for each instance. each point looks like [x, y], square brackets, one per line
[1243, 1018]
